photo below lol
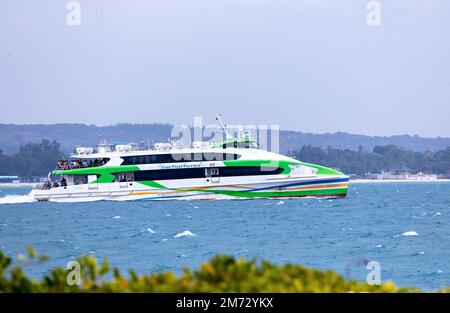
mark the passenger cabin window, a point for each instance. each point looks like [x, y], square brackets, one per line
[204, 172]
[124, 177]
[69, 180]
[179, 157]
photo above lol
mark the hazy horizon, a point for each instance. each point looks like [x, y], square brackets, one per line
[309, 66]
[190, 125]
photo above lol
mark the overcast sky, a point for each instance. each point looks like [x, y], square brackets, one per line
[307, 65]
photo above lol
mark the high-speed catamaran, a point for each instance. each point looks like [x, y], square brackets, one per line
[236, 168]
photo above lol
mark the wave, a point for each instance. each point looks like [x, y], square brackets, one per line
[150, 230]
[279, 202]
[409, 233]
[13, 199]
[186, 233]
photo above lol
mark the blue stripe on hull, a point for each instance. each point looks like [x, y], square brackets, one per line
[171, 197]
[304, 183]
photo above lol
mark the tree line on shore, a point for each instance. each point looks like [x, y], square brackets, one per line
[32, 159]
[381, 158]
[37, 159]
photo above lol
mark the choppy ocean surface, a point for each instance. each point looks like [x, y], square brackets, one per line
[404, 226]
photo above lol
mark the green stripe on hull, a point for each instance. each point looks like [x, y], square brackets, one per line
[322, 170]
[257, 194]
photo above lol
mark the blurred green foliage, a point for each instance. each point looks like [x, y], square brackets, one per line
[221, 274]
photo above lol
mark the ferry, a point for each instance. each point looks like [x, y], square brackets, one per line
[236, 168]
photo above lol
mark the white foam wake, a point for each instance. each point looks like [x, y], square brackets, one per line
[13, 199]
[71, 200]
[186, 233]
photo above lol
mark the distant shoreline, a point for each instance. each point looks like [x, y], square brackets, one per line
[365, 180]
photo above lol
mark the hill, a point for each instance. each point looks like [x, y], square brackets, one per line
[72, 135]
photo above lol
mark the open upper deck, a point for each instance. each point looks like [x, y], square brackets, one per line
[86, 157]
[107, 151]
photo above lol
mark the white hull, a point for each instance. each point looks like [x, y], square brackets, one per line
[200, 189]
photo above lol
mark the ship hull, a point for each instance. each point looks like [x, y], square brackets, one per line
[200, 189]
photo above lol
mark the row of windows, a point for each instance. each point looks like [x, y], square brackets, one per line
[203, 172]
[248, 171]
[178, 157]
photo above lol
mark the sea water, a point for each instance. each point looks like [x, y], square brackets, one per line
[403, 226]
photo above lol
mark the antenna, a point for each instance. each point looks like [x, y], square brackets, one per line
[224, 127]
